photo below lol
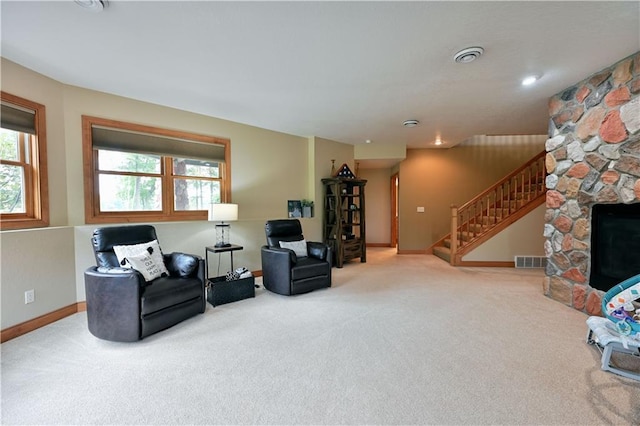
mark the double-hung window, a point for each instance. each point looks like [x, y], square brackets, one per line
[23, 164]
[136, 173]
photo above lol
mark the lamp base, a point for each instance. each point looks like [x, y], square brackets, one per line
[222, 235]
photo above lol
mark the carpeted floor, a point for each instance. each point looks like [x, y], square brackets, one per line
[398, 340]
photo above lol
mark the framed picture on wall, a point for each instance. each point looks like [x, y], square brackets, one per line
[294, 208]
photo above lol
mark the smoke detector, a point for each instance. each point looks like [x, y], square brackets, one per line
[93, 5]
[467, 55]
[410, 123]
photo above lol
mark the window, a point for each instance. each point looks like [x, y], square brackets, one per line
[23, 164]
[136, 173]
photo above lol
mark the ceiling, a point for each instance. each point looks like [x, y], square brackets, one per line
[345, 71]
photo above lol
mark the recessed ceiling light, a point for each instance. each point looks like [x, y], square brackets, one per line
[468, 55]
[438, 141]
[93, 5]
[368, 141]
[528, 81]
[410, 123]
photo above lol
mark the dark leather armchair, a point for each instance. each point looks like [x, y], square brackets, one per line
[285, 273]
[122, 306]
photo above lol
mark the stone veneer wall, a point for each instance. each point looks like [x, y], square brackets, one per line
[593, 157]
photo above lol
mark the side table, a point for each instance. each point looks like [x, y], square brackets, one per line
[221, 291]
[214, 249]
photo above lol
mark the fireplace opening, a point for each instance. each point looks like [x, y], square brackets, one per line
[615, 244]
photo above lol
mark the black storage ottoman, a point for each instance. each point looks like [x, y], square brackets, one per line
[222, 291]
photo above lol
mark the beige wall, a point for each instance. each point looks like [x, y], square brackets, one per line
[267, 169]
[41, 260]
[437, 178]
[256, 154]
[386, 152]
[523, 238]
[378, 205]
[35, 87]
[325, 150]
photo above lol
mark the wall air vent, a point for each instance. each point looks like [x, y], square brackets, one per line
[531, 262]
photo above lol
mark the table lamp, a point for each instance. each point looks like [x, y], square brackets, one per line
[223, 212]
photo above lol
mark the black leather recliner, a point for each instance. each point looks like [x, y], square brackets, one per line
[285, 273]
[122, 306]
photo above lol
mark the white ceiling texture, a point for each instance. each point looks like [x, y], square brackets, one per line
[346, 71]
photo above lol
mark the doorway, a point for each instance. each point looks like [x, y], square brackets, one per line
[394, 210]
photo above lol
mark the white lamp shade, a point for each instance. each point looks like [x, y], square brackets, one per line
[223, 212]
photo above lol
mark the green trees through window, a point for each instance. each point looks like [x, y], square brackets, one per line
[24, 195]
[12, 171]
[196, 184]
[138, 189]
[133, 182]
[139, 175]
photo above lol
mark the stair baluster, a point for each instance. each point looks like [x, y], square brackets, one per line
[493, 210]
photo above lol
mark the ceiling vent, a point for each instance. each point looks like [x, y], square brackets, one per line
[411, 123]
[93, 5]
[467, 55]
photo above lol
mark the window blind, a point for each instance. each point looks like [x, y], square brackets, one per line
[17, 118]
[145, 143]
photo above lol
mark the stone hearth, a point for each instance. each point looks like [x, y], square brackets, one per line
[593, 157]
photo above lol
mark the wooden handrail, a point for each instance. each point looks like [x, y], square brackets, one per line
[474, 219]
[504, 179]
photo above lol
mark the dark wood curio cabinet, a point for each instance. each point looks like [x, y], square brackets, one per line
[344, 223]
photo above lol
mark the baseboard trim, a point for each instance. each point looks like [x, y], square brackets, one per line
[411, 251]
[379, 245]
[470, 263]
[46, 319]
[41, 321]
[487, 264]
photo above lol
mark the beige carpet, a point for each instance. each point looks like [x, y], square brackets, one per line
[398, 340]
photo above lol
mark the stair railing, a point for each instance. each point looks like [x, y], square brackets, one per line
[484, 212]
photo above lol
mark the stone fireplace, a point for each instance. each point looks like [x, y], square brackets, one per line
[593, 165]
[615, 244]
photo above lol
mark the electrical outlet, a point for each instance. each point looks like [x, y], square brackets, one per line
[29, 296]
[420, 210]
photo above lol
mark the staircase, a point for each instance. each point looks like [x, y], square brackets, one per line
[493, 210]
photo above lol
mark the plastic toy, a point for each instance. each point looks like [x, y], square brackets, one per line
[618, 300]
[619, 331]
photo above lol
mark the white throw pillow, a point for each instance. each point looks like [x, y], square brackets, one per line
[144, 264]
[151, 248]
[299, 247]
